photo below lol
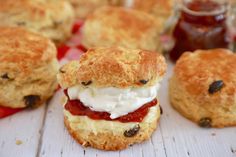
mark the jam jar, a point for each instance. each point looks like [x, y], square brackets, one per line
[202, 25]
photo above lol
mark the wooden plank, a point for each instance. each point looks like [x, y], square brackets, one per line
[182, 138]
[55, 140]
[20, 133]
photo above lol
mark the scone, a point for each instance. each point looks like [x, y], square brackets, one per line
[51, 18]
[162, 9]
[28, 68]
[117, 26]
[111, 96]
[203, 89]
[85, 7]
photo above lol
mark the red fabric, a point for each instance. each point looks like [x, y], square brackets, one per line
[77, 26]
[6, 111]
[73, 49]
[61, 51]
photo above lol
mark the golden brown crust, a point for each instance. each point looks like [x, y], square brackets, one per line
[85, 7]
[159, 8]
[193, 74]
[28, 66]
[18, 45]
[114, 67]
[111, 138]
[117, 26]
[50, 18]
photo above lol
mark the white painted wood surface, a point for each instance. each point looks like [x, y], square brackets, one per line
[43, 134]
[25, 127]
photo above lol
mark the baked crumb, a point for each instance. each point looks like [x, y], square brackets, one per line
[18, 142]
[213, 134]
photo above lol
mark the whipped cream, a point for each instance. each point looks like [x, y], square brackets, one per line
[116, 101]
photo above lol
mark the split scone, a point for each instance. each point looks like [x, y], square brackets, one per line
[111, 96]
[51, 18]
[85, 7]
[117, 26]
[28, 68]
[203, 89]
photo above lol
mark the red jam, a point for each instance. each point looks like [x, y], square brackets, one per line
[202, 25]
[76, 107]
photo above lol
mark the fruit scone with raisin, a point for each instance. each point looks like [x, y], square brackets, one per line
[51, 18]
[28, 68]
[118, 26]
[203, 89]
[161, 9]
[112, 96]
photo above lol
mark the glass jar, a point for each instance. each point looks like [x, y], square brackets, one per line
[202, 25]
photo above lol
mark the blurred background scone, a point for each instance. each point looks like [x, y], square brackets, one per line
[111, 96]
[51, 18]
[85, 7]
[161, 9]
[117, 26]
[203, 89]
[28, 68]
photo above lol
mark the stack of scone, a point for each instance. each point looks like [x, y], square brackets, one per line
[117, 26]
[203, 87]
[28, 68]
[51, 18]
[111, 96]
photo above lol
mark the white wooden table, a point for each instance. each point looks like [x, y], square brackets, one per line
[41, 133]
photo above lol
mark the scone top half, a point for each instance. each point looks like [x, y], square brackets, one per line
[116, 74]
[119, 26]
[28, 68]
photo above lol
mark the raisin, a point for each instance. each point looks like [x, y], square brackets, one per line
[132, 132]
[161, 110]
[86, 83]
[57, 23]
[205, 122]
[31, 100]
[215, 86]
[21, 23]
[143, 81]
[62, 71]
[5, 76]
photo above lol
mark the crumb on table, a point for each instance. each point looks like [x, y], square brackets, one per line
[18, 142]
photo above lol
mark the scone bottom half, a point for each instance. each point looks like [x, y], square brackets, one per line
[106, 113]
[203, 89]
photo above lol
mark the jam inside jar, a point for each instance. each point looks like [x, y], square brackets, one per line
[202, 25]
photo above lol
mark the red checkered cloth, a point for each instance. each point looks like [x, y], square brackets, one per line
[73, 48]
